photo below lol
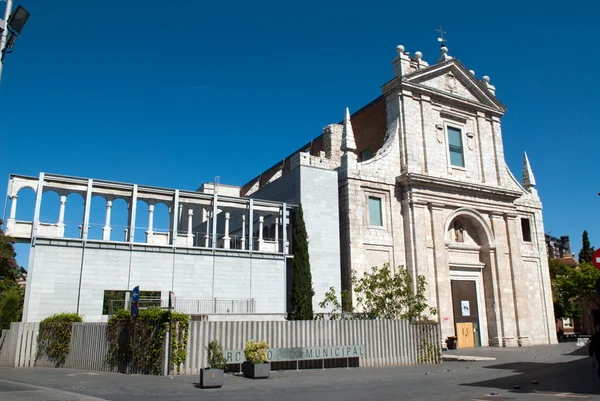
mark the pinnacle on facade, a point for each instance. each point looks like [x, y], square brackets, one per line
[348, 143]
[528, 178]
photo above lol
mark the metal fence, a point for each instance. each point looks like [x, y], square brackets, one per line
[386, 342]
[192, 306]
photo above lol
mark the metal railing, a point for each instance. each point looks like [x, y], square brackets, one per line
[191, 306]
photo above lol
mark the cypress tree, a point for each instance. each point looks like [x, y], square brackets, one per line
[587, 251]
[302, 289]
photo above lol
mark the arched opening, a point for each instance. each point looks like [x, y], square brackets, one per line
[469, 240]
[162, 218]
[119, 220]
[142, 217]
[97, 217]
[238, 227]
[50, 207]
[74, 210]
[25, 202]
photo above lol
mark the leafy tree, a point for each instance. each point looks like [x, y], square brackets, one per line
[383, 295]
[11, 308]
[8, 265]
[302, 289]
[380, 294]
[11, 293]
[565, 282]
[587, 251]
[332, 303]
[587, 275]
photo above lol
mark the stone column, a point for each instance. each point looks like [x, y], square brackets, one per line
[243, 240]
[107, 229]
[13, 207]
[10, 224]
[504, 283]
[207, 235]
[277, 234]
[443, 290]
[261, 221]
[61, 216]
[525, 311]
[490, 285]
[226, 238]
[150, 224]
[190, 235]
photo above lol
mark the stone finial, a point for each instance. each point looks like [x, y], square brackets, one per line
[444, 54]
[348, 143]
[528, 178]
[486, 81]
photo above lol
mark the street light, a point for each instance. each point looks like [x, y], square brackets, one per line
[10, 29]
[17, 20]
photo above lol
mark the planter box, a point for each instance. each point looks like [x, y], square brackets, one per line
[256, 370]
[211, 378]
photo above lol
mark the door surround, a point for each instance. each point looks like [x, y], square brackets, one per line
[474, 275]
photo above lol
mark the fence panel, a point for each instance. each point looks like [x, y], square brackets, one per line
[386, 343]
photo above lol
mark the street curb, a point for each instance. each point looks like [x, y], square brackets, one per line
[463, 358]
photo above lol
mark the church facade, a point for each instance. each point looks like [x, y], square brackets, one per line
[423, 183]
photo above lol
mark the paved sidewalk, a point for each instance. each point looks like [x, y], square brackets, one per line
[562, 371]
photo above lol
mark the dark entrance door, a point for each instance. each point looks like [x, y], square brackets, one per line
[466, 313]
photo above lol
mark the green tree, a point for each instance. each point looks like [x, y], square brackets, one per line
[302, 289]
[565, 282]
[587, 251]
[11, 293]
[11, 308]
[380, 294]
[587, 275]
[8, 265]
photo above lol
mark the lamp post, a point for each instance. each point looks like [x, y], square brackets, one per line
[10, 29]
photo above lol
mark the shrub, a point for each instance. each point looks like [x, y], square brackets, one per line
[256, 351]
[54, 338]
[151, 328]
[215, 357]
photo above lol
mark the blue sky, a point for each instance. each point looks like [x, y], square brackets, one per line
[174, 94]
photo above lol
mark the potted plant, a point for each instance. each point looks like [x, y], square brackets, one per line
[256, 365]
[212, 377]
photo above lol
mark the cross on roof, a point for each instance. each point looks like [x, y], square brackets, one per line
[441, 38]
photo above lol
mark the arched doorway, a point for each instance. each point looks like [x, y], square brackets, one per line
[468, 244]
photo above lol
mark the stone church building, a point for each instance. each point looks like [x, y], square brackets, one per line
[416, 178]
[422, 182]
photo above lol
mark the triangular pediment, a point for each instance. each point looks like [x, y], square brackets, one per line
[451, 78]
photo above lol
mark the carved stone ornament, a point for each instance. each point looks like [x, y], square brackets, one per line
[451, 85]
[458, 231]
[439, 132]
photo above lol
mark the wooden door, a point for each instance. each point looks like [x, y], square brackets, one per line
[465, 335]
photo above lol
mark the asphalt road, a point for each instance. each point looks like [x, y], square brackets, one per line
[562, 372]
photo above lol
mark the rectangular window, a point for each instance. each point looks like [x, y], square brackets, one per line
[375, 218]
[526, 229]
[455, 146]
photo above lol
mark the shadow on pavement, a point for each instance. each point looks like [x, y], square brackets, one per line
[578, 376]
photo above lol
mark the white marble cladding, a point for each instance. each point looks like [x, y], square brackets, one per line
[205, 220]
[423, 195]
[70, 276]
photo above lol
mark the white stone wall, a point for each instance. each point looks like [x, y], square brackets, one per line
[53, 281]
[319, 197]
[423, 192]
